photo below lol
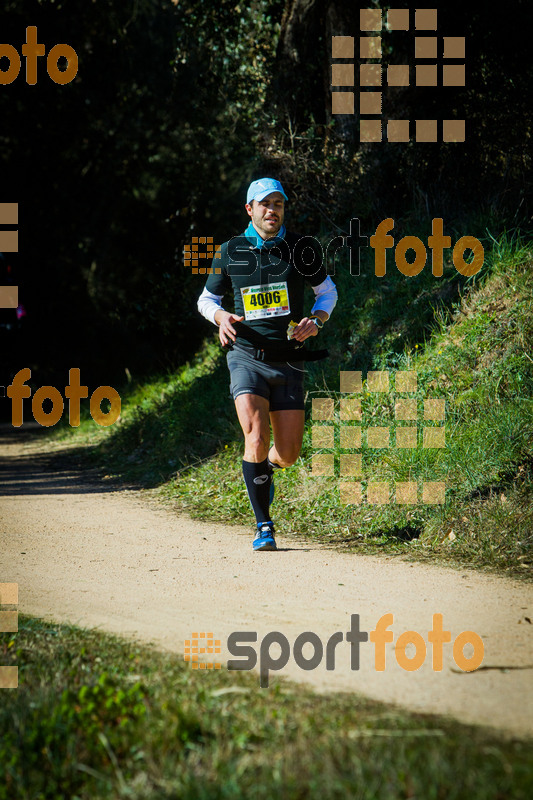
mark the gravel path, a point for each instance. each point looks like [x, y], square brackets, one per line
[84, 552]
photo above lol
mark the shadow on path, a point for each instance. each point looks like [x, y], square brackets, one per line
[44, 473]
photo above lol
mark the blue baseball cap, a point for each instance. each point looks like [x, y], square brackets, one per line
[258, 190]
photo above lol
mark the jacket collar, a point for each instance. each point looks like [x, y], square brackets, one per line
[253, 237]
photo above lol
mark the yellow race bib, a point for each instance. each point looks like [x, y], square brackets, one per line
[268, 300]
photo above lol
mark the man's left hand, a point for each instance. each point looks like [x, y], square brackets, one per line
[305, 328]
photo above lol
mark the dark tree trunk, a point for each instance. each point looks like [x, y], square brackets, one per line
[302, 84]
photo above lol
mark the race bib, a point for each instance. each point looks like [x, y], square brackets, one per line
[270, 300]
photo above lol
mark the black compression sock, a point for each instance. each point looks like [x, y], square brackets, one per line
[272, 466]
[257, 478]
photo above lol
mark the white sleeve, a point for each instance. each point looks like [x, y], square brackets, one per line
[209, 304]
[326, 296]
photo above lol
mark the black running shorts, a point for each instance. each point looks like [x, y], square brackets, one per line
[278, 381]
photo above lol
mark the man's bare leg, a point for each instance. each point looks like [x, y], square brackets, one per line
[252, 411]
[288, 430]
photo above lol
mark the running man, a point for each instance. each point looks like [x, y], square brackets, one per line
[266, 271]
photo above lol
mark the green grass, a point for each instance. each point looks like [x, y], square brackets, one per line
[95, 716]
[470, 342]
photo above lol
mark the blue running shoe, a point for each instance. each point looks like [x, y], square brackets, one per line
[264, 538]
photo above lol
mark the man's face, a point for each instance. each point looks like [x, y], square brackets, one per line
[267, 214]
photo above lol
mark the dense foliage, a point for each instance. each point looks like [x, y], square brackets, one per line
[176, 106]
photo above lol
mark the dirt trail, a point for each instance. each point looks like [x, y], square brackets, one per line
[84, 553]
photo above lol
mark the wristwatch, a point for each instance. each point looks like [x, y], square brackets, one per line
[318, 322]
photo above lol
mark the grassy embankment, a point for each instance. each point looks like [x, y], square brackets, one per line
[97, 717]
[469, 341]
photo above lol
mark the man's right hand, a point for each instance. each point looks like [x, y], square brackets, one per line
[226, 331]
